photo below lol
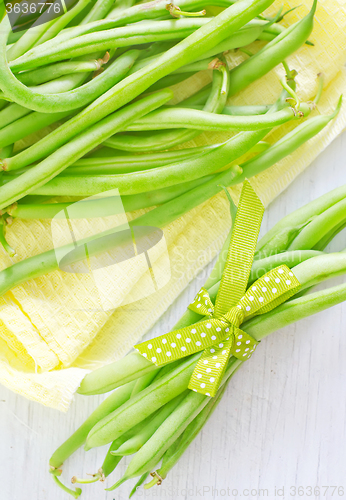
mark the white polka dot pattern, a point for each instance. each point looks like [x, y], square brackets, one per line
[221, 337]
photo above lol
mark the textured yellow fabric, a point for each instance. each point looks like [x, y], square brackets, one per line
[53, 329]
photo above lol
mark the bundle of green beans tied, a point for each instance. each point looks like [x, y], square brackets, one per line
[152, 414]
[95, 82]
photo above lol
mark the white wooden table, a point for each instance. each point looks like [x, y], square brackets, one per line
[280, 426]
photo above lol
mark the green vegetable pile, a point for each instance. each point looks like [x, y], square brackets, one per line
[152, 415]
[95, 83]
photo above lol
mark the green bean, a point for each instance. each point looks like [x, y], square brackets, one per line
[215, 103]
[241, 110]
[176, 450]
[6, 151]
[63, 84]
[138, 484]
[320, 268]
[12, 113]
[285, 146]
[325, 240]
[85, 142]
[78, 147]
[31, 35]
[45, 31]
[295, 310]
[130, 163]
[149, 455]
[163, 140]
[198, 98]
[246, 35]
[95, 380]
[144, 381]
[72, 99]
[201, 120]
[92, 165]
[290, 258]
[320, 226]
[283, 233]
[29, 124]
[124, 370]
[115, 400]
[143, 404]
[120, 17]
[272, 54]
[47, 73]
[184, 52]
[104, 40]
[62, 22]
[111, 460]
[145, 429]
[101, 9]
[138, 182]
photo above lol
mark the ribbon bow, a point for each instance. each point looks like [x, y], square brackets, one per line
[219, 335]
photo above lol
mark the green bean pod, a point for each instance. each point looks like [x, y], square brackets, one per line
[103, 206]
[100, 10]
[280, 237]
[62, 21]
[138, 484]
[294, 310]
[143, 404]
[246, 35]
[71, 99]
[78, 147]
[121, 17]
[177, 449]
[47, 73]
[46, 30]
[215, 103]
[145, 429]
[104, 40]
[66, 83]
[201, 120]
[78, 438]
[29, 124]
[273, 53]
[287, 144]
[174, 425]
[320, 226]
[139, 182]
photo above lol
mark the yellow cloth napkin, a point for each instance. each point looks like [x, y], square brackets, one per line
[54, 329]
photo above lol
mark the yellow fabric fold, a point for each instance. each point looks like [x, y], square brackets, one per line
[54, 329]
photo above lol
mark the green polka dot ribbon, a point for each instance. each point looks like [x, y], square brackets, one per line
[218, 335]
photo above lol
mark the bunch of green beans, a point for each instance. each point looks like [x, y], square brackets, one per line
[54, 52]
[53, 77]
[161, 418]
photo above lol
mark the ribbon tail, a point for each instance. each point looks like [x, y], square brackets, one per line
[209, 371]
[206, 379]
[181, 343]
